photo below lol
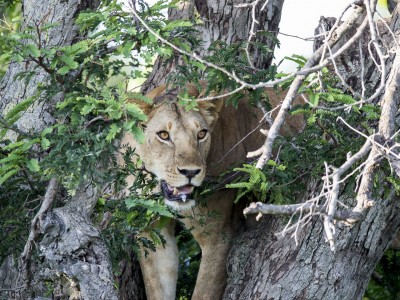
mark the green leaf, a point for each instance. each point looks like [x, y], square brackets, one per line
[33, 165]
[177, 23]
[45, 143]
[7, 175]
[46, 131]
[32, 50]
[134, 110]
[63, 70]
[101, 201]
[138, 134]
[314, 99]
[151, 205]
[198, 64]
[69, 61]
[18, 108]
[88, 108]
[164, 52]
[114, 130]
[11, 157]
[312, 119]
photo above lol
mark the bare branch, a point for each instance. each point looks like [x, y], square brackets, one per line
[389, 105]
[272, 209]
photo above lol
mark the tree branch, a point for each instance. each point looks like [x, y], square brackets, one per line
[272, 209]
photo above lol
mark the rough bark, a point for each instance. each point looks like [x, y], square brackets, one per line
[73, 255]
[358, 68]
[227, 22]
[276, 268]
[130, 283]
[231, 21]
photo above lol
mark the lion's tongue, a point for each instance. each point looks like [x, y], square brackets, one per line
[183, 190]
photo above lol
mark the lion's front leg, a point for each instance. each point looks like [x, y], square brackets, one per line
[215, 239]
[160, 268]
[211, 279]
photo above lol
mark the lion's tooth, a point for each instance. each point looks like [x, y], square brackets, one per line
[175, 192]
[183, 197]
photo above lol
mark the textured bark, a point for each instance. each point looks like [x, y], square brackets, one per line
[130, 283]
[226, 21]
[73, 255]
[223, 21]
[352, 70]
[276, 268]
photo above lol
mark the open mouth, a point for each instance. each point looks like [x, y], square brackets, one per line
[181, 193]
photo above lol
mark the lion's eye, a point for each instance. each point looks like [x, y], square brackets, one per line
[201, 134]
[163, 135]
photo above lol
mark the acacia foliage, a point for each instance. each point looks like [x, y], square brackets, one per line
[93, 77]
[87, 84]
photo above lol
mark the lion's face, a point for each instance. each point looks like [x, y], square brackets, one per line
[175, 149]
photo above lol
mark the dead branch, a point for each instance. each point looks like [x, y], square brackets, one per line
[386, 128]
[272, 209]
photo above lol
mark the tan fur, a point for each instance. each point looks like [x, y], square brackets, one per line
[215, 154]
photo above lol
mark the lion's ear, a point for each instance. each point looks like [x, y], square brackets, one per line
[142, 101]
[210, 110]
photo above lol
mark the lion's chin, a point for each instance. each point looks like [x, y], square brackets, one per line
[181, 206]
[178, 198]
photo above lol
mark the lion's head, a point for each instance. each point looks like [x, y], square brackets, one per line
[176, 145]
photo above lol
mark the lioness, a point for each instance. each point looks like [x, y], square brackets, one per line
[182, 147]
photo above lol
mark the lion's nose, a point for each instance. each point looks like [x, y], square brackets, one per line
[189, 173]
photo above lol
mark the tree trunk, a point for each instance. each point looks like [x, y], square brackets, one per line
[277, 268]
[75, 259]
[75, 256]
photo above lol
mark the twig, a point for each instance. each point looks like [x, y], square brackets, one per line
[386, 130]
[252, 32]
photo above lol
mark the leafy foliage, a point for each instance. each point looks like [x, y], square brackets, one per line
[88, 80]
